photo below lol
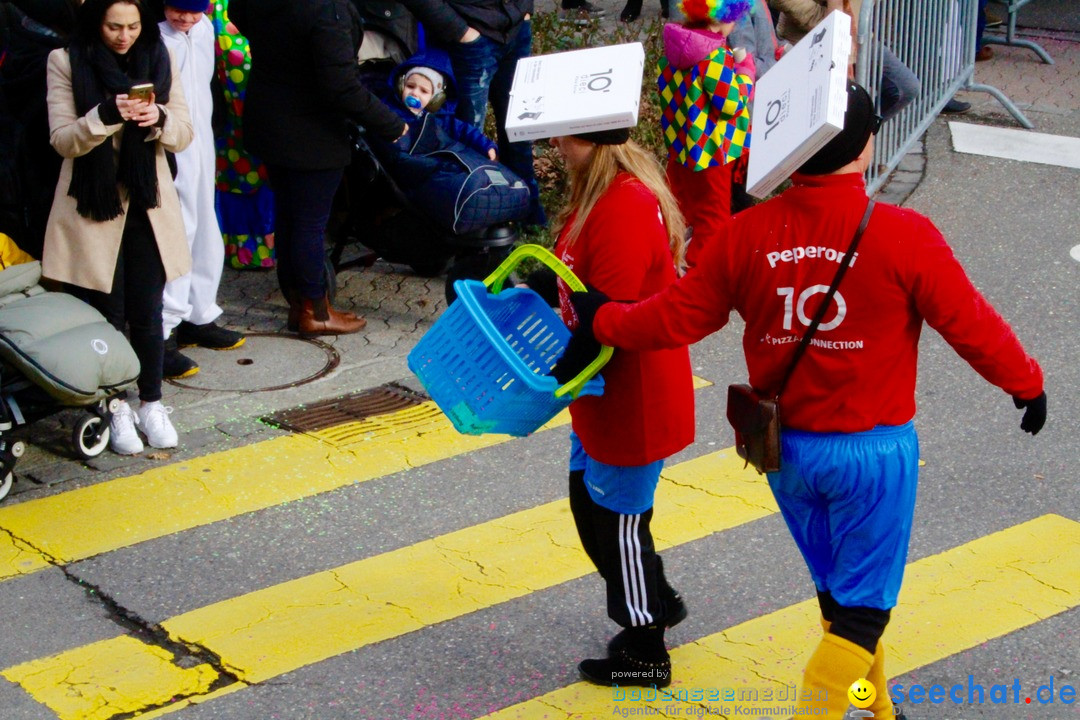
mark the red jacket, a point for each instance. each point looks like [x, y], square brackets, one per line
[773, 265]
[647, 410]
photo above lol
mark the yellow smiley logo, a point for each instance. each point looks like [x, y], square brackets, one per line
[861, 693]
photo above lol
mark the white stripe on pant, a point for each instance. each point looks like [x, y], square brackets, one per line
[634, 587]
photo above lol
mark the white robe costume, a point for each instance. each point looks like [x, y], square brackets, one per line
[193, 297]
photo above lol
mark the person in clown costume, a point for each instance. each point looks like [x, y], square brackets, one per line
[699, 75]
[190, 301]
[245, 201]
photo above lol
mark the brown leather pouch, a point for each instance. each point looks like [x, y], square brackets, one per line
[756, 421]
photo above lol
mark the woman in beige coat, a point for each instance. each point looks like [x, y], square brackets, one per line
[115, 233]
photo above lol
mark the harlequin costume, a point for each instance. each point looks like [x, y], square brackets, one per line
[244, 199]
[705, 95]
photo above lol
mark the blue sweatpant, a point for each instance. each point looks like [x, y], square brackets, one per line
[848, 499]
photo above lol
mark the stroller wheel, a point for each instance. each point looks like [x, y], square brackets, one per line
[473, 266]
[5, 485]
[90, 437]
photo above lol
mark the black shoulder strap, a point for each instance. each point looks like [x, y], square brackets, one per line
[827, 302]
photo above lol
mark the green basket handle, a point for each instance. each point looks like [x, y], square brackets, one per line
[495, 280]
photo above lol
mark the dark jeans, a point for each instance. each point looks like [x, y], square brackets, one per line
[899, 85]
[135, 300]
[484, 70]
[302, 201]
[980, 25]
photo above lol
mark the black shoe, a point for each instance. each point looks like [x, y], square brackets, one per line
[955, 107]
[636, 656]
[665, 11]
[209, 335]
[631, 11]
[176, 365]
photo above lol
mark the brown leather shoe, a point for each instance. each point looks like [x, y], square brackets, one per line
[318, 318]
[984, 53]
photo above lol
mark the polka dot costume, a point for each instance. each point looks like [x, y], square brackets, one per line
[245, 202]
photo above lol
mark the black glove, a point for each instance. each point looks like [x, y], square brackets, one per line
[1034, 415]
[587, 304]
[544, 282]
[583, 347]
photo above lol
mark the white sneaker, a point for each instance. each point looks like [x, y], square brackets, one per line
[123, 438]
[159, 431]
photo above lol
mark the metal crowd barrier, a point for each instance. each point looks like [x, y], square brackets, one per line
[935, 39]
[1012, 8]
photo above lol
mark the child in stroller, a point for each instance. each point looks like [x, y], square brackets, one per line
[55, 352]
[437, 195]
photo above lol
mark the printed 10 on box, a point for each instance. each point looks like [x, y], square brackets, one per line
[799, 104]
[575, 92]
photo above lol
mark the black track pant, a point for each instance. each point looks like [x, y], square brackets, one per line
[621, 547]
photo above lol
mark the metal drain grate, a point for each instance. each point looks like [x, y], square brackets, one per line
[345, 410]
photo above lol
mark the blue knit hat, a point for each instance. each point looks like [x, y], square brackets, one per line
[188, 5]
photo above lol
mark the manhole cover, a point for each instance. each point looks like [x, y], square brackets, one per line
[348, 409]
[267, 361]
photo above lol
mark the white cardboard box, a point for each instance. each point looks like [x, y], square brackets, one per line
[575, 92]
[799, 104]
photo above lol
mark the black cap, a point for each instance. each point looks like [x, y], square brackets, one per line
[860, 122]
[606, 137]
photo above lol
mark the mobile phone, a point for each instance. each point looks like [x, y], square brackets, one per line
[141, 92]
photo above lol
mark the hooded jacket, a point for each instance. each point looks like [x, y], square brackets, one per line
[456, 129]
[705, 98]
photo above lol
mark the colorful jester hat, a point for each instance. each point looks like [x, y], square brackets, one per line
[714, 10]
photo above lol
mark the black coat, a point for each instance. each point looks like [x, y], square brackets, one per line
[305, 87]
[29, 167]
[449, 19]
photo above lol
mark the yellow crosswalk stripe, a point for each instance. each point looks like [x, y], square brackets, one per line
[140, 676]
[1038, 561]
[81, 523]
[269, 632]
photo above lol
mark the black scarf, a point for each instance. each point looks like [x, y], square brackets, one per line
[98, 75]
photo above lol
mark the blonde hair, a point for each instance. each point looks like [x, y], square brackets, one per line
[587, 184]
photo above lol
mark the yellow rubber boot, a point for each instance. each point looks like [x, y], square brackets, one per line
[834, 666]
[882, 707]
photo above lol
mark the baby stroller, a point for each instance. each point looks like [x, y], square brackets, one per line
[378, 215]
[372, 209]
[56, 352]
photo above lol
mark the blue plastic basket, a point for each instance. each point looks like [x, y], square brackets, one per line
[485, 361]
